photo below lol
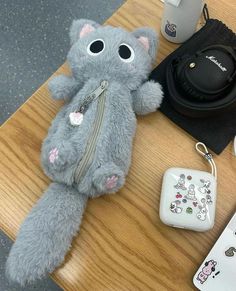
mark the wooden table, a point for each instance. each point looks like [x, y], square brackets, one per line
[122, 244]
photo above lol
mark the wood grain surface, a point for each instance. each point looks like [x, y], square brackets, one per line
[122, 244]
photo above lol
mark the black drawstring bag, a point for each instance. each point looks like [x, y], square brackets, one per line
[215, 131]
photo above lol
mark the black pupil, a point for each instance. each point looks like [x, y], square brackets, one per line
[124, 52]
[96, 46]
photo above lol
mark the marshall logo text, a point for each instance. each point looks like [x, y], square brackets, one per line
[214, 60]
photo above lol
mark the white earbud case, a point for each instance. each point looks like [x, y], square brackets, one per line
[188, 197]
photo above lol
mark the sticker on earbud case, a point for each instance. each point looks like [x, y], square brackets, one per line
[208, 199]
[178, 195]
[181, 183]
[189, 210]
[204, 189]
[191, 192]
[174, 207]
[201, 215]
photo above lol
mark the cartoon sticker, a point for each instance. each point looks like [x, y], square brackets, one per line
[206, 271]
[204, 189]
[178, 195]
[201, 215]
[217, 273]
[208, 199]
[191, 193]
[181, 183]
[189, 210]
[174, 207]
[170, 29]
[230, 252]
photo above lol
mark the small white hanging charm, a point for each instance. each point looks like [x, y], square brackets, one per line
[76, 118]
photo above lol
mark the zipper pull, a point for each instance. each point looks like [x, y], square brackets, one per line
[104, 85]
[76, 118]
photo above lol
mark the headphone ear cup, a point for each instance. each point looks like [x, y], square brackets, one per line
[218, 62]
[182, 82]
[190, 92]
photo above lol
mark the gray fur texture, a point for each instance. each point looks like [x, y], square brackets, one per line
[46, 234]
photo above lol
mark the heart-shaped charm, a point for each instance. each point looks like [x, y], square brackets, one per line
[76, 118]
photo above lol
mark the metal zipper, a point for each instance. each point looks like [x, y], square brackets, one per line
[91, 144]
[92, 97]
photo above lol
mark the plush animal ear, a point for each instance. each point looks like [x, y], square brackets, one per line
[81, 28]
[148, 38]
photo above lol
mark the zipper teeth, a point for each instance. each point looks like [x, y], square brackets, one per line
[88, 100]
[93, 139]
[93, 96]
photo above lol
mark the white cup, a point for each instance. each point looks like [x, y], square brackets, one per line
[180, 19]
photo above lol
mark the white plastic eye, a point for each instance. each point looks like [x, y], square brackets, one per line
[126, 53]
[96, 47]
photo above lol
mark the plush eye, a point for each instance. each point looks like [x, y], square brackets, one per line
[96, 47]
[126, 53]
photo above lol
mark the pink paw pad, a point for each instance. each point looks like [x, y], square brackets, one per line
[53, 155]
[111, 182]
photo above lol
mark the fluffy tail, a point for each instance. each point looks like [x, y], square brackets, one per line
[46, 234]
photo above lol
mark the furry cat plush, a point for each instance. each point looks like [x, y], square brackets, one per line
[87, 152]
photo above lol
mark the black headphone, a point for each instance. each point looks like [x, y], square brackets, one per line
[203, 84]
